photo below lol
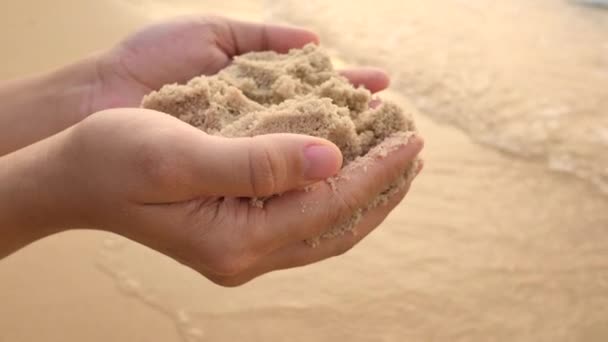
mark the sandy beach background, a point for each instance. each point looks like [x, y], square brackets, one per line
[503, 238]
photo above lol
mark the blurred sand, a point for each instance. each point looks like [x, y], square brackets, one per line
[485, 248]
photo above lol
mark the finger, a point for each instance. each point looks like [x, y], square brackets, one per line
[191, 164]
[299, 215]
[239, 37]
[300, 253]
[375, 103]
[269, 164]
[372, 79]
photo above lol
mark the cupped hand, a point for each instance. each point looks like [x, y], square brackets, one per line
[154, 179]
[178, 50]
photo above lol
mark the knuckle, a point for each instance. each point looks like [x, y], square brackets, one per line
[346, 204]
[264, 170]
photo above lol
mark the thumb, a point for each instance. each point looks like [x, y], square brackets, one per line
[255, 166]
[267, 164]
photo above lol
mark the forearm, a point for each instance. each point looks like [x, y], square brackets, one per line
[34, 194]
[39, 106]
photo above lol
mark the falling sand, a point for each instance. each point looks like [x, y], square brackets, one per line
[298, 92]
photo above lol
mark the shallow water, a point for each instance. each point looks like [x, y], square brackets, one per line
[527, 77]
[487, 246]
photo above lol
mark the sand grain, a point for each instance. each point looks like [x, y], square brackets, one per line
[298, 92]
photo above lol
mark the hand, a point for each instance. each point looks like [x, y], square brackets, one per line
[176, 51]
[168, 185]
[37, 107]
[159, 181]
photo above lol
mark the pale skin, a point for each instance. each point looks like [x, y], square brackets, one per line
[75, 153]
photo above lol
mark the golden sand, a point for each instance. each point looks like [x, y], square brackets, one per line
[486, 247]
[298, 92]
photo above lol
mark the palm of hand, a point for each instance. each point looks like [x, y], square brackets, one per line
[172, 188]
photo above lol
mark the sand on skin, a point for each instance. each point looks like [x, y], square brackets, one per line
[486, 247]
[297, 92]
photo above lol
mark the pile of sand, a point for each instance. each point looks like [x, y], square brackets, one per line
[297, 92]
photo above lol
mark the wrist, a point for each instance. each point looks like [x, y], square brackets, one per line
[71, 89]
[37, 107]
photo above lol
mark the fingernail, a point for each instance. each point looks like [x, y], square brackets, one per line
[322, 161]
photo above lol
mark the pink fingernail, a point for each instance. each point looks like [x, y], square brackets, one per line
[322, 161]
